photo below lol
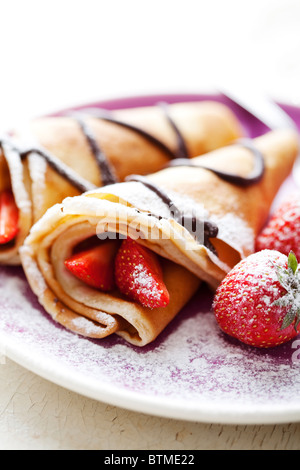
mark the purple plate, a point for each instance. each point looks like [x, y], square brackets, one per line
[192, 371]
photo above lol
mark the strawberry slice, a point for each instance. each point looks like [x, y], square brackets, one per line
[9, 217]
[139, 275]
[95, 267]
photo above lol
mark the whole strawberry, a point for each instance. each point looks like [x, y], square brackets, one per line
[282, 233]
[258, 302]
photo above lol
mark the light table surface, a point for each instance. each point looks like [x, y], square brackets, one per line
[36, 414]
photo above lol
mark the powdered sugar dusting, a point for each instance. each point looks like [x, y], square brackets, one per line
[191, 362]
[142, 280]
[84, 324]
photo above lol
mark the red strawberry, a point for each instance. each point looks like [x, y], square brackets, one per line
[9, 217]
[139, 275]
[282, 233]
[258, 302]
[95, 267]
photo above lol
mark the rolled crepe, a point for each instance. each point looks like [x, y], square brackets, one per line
[55, 157]
[136, 209]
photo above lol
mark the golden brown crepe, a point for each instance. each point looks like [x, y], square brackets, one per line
[135, 210]
[70, 141]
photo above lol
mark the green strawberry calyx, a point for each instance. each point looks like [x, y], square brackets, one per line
[289, 278]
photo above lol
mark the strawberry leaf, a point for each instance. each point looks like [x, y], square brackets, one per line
[297, 320]
[292, 262]
[288, 319]
[290, 281]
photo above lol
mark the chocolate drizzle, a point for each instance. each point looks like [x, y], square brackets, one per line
[209, 229]
[179, 158]
[105, 115]
[64, 170]
[9, 145]
[182, 151]
[254, 177]
[108, 175]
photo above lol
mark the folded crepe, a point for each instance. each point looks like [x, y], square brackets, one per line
[199, 217]
[59, 156]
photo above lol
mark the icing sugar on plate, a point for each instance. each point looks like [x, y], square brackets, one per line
[192, 371]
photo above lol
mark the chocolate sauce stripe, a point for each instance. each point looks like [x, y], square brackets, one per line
[7, 144]
[182, 151]
[107, 116]
[63, 170]
[108, 175]
[254, 177]
[210, 230]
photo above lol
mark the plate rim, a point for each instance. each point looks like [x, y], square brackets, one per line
[163, 407]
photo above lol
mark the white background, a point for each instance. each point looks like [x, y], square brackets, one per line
[59, 53]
